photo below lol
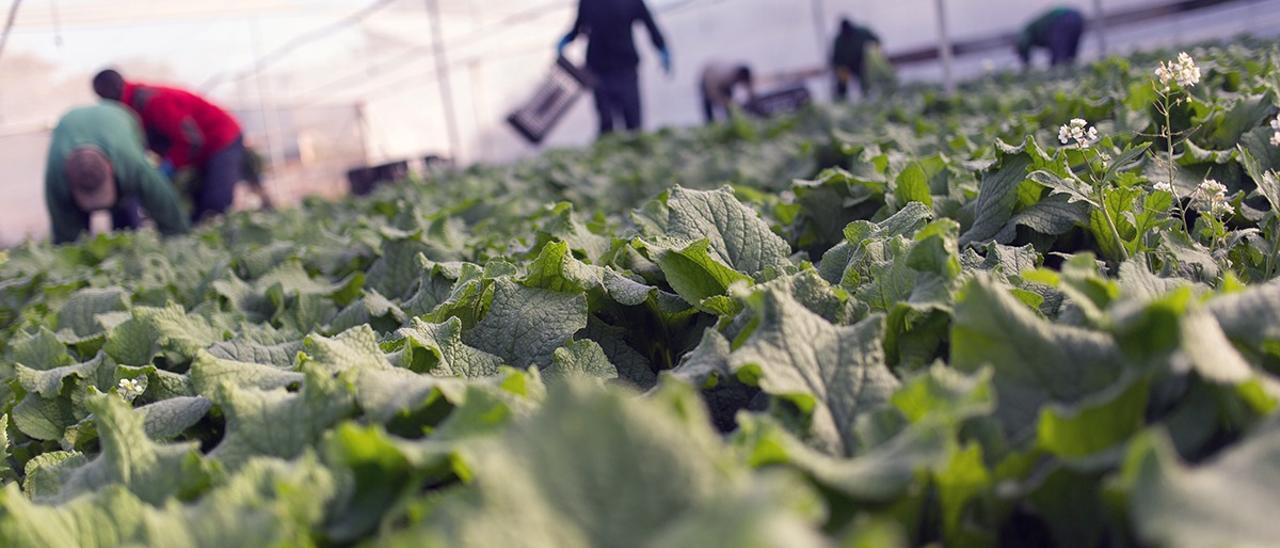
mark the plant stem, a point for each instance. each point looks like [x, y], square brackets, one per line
[1168, 140]
[1275, 249]
[1115, 233]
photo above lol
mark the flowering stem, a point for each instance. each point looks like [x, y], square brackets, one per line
[1167, 133]
[1168, 139]
[1100, 188]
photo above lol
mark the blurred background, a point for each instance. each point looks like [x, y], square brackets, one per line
[325, 86]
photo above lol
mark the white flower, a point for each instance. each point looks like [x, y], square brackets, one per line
[1077, 133]
[1275, 123]
[1222, 208]
[1211, 198]
[1163, 185]
[1275, 139]
[129, 389]
[1182, 70]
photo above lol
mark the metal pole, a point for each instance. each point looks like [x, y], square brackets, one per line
[944, 47]
[820, 25]
[8, 24]
[362, 125]
[57, 23]
[271, 139]
[1100, 27]
[442, 69]
[475, 75]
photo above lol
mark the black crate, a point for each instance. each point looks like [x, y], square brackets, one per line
[782, 101]
[535, 119]
[364, 180]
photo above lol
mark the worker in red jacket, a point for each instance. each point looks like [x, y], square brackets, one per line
[188, 132]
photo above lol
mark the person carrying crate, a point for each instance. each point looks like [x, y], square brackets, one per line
[612, 57]
[1058, 30]
[848, 57]
[188, 132]
[717, 85]
[97, 162]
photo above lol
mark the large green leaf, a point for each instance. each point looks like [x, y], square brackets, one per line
[151, 471]
[1226, 500]
[438, 349]
[209, 372]
[735, 234]
[524, 325]
[580, 359]
[268, 503]
[81, 313]
[835, 373]
[276, 422]
[1035, 362]
[545, 482]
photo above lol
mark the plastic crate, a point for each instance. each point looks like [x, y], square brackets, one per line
[535, 119]
[781, 101]
[364, 180]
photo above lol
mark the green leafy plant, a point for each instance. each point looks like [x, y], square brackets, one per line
[904, 322]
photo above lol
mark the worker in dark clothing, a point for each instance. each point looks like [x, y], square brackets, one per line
[612, 58]
[97, 162]
[718, 82]
[848, 56]
[188, 132]
[1058, 31]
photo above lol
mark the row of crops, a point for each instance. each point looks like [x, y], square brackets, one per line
[1035, 312]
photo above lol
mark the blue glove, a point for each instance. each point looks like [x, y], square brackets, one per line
[664, 57]
[166, 167]
[564, 43]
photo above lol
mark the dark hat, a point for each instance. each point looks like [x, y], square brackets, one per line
[90, 178]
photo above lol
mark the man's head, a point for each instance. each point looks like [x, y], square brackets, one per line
[846, 24]
[743, 74]
[90, 178]
[108, 84]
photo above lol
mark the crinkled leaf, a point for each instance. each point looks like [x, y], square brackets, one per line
[81, 311]
[836, 373]
[209, 371]
[524, 325]
[735, 234]
[580, 359]
[276, 422]
[437, 349]
[153, 472]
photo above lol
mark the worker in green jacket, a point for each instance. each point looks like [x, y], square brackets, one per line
[97, 161]
[1058, 31]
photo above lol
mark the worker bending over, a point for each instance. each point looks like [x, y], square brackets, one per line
[188, 132]
[97, 162]
[717, 86]
[1058, 31]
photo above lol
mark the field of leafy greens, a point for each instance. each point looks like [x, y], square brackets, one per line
[1037, 312]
